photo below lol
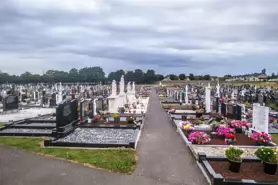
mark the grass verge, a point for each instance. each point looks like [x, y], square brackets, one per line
[275, 138]
[120, 161]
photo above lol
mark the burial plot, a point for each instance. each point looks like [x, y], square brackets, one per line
[10, 103]
[66, 117]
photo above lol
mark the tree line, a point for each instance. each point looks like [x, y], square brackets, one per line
[93, 75]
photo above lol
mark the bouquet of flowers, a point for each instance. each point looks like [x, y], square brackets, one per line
[229, 131]
[271, 119]
[236, 124]
[96, 118]
[188, 128]
[130, 119]
[220, 130]
[246, 124]
[261, 137]
[199, 138]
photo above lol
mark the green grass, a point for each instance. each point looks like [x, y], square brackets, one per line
[120, 161]
[275, 138]
[2, 125]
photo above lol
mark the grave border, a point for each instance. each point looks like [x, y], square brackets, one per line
[218, 179]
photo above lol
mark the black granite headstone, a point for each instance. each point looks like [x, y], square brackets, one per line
[10, 103]
[66, 117]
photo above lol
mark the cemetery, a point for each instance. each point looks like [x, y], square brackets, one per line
[210, 118]
[87, 116]
[214, 120]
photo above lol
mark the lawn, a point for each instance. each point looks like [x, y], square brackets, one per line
[1, 125]
[120, 161]
[275, 138]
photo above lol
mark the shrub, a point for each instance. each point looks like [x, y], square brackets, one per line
[267, 155]
[116, 116]
[234, 154]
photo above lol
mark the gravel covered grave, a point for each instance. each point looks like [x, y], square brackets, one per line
[101, 136]
[220, 151]
[24, 114]
[15, 130]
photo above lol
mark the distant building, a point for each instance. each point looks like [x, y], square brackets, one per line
[256, 77]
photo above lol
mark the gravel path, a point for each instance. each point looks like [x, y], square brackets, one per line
[162, 153]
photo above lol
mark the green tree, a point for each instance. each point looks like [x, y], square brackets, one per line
[174, 77]
[182, 76]
[207, 77]
[191, 76]
[159, 77]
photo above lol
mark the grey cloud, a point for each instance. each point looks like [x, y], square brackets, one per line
[192, 34]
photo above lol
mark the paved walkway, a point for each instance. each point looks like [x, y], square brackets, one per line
[163, 160]
[162, 153]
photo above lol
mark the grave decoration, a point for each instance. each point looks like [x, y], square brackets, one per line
[234, 158]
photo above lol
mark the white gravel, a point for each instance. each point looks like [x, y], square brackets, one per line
[24, 114]
[101, 136]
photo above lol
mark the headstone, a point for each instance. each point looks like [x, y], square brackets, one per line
[10, 102]
[66, 117]
[260, 118]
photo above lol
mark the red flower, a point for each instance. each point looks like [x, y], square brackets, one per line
[230, 136]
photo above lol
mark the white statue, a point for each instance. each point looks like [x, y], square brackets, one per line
[114, 88]
[122, 84]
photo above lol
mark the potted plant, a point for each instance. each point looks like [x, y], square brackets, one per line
[199, 112]
[90, 116]
[96, 118]
[237, 125]
[261, 138]
[116, 118]
[269, 158]
[199, 138]
[230, 139]
[188, 128]
[234, 157]
[130, 119]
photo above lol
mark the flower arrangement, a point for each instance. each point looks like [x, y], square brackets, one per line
[230, 139]
[199, 138]
[223, 130]
[268, 155]
[229, 131]
[130, 119]
[200, 111]
[188, 128]
[234, 154]
[96, 118]
[246, 124]
[116, 116]
[236, 124]
[261, 137]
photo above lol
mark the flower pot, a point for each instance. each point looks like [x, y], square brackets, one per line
[89, 120]
[270, 168]
[198, 115]
[183, 118]
[234, 166]
[238, 130]
[117, 120]
[218, 119]
[229, 141]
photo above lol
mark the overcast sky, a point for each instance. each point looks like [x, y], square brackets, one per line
[170, 36]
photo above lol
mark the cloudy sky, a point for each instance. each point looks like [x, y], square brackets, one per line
[170, 36]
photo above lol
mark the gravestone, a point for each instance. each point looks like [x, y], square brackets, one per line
[10, 102]
[238, 112]
[66, 117]
[230, 111]
[224, 109]
[260, 118]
